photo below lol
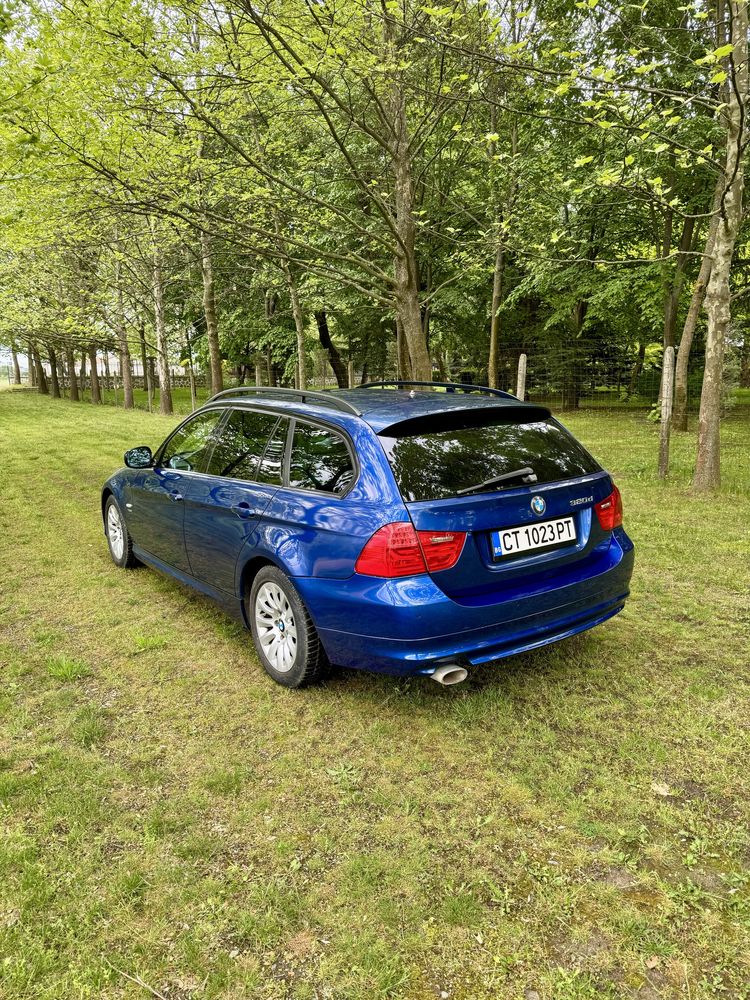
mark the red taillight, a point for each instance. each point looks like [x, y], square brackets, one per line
[398, 550]
[441, 548]
[392, 551]
[609, 510]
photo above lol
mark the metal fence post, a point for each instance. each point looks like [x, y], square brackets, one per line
[667, 393]
[521, 381]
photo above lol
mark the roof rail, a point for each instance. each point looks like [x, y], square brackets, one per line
[448, 386]
[326, 398]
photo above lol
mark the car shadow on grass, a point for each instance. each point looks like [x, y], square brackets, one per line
[560, 667]
[568, 667]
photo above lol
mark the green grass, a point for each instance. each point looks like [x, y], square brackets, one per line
[572, 823]
[180, 398]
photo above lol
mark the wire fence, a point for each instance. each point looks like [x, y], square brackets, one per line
[546, 381]
[557, 380]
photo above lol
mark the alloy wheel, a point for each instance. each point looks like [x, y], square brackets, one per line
[276, 627]
[115, 533]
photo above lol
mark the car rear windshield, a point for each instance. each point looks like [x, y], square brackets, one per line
[436, 459]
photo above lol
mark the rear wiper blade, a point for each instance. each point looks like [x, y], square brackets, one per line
[526, 475]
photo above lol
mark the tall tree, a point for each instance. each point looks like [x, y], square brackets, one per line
[718, 290]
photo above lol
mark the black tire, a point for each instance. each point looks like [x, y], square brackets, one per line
[273, 596]
[120, 550]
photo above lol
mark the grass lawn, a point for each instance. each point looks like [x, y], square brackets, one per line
[572, 823]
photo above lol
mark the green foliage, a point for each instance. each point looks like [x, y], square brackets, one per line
[568, 140]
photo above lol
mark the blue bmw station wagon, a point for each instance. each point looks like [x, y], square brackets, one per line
[394, 527]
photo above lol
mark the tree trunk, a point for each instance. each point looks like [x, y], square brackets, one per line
[126, 370]
[270, 368]
[679, 413]
[442, 365]
[162, 347]
[673, 288]
[41, 378]
[406, 268]
[299, 321]
[209, 311]
[107, 373]
[637, 368]
[96, 395]
[71, 363]
[324, 336]
[299, 326]
[32, 366]
[407, 283]
[425, 285]
[571, 394]
[718, 304]
[16, 366]
[151, 382]
[501, 213]
[54, 375]
[402, 354]
[497, 300]
[144, 365]
[126, 367]
[193, 394]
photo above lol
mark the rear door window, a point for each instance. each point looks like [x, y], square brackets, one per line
[437, 464]
[320, 460]
[242, 444]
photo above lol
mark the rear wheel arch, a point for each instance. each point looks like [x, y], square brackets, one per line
[249, 571]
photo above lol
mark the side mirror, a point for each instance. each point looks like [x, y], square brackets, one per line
[139, 458]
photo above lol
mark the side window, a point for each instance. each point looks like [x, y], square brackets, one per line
[189, 447]
[241, 444]
[320, 460]
[271, 468]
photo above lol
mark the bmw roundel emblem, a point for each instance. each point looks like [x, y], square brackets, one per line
[538, 505]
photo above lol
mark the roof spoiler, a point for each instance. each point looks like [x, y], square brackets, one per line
[453, 418]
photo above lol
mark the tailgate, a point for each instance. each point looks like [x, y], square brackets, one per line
[515, 481]
[489, 559]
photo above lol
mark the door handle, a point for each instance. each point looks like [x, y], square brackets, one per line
[174, 495]
[243, 509]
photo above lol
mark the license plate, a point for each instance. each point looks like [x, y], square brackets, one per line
[511, 541]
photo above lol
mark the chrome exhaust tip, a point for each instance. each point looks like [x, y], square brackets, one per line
[449, 674]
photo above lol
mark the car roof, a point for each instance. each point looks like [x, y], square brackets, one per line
[384, 408]
[380, 408]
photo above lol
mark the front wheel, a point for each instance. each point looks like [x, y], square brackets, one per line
[118, 536]
[285, 637]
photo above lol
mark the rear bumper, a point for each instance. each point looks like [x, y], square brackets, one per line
[409, 626]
